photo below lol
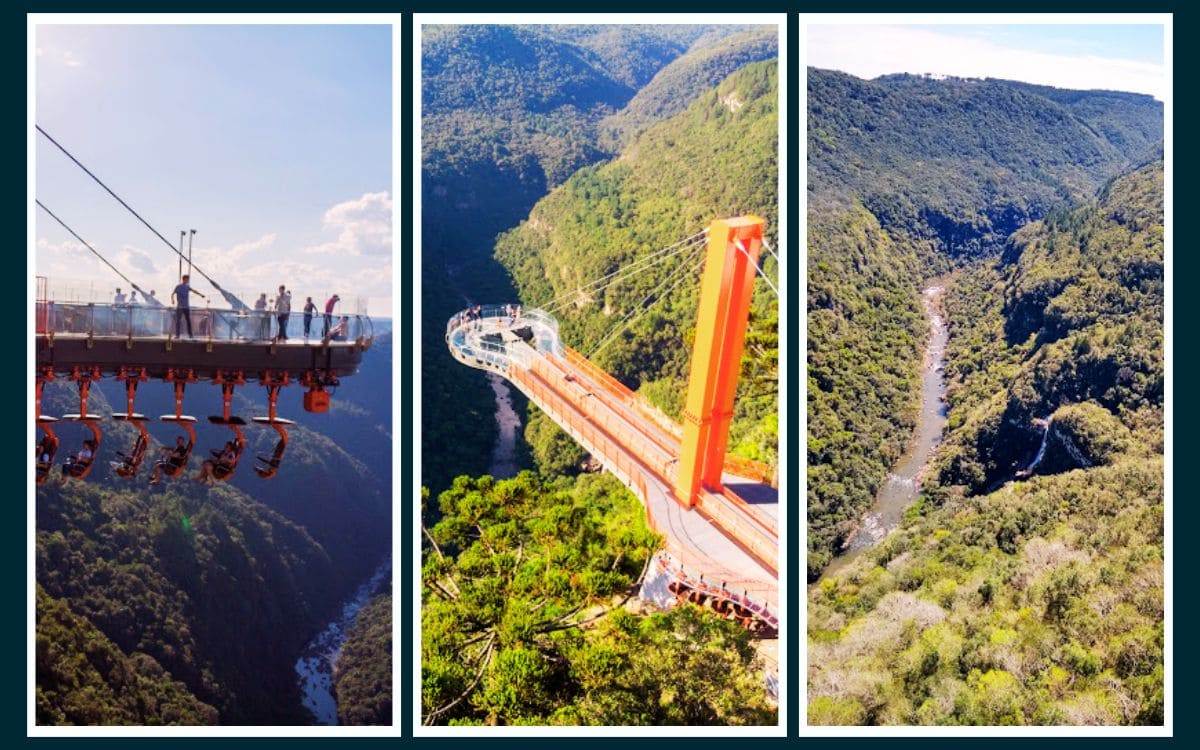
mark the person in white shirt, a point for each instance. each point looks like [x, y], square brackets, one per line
[283, 309]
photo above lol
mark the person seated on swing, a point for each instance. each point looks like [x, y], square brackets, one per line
[128, 465]
[76, 465]
[228, 460]
[44, 455]
[172, 461]
[270, 465]
[220, 465]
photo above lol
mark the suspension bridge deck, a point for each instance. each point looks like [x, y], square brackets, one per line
[726, 545]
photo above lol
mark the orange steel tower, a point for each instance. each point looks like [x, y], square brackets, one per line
[725, 289]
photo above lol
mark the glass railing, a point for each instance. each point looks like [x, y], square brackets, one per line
[84, 291]
[136, 321]
[473, 324]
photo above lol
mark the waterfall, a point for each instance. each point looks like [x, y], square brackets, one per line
[1028, 470]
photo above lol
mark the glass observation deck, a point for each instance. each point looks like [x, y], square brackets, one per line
[115, 336]
[499, 335]
[208, 324]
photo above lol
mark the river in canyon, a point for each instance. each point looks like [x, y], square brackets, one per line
[902, 485]
[315, 667]
[504, 453]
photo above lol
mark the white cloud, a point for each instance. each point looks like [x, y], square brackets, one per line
[136, 259]
[253, 247]
[74, 273]
[872, 51]
[232, 266]
[219, 262]
[357, 264]
[57, 56]
[364, 227]
[372, 282]
[69, 249]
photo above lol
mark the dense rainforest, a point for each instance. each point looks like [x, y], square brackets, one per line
[597, 146]
[523, 619]
[909, 176]
[1025, 586]
[363, 679]
[717, 158]
[181, 603]
[1026, 599]
[508, 114]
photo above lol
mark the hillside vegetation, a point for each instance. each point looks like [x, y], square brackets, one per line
[675, 86]
[187, 604]
[1039, 600]
[969, 161]
[214, 592]
[522, 624]
[908, 178]
[1068, 326]
[509, 113]
[716, 159]
[363, 681]
[84, 679]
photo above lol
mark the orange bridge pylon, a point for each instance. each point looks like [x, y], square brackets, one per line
[725, 290]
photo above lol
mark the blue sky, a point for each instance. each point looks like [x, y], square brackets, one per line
[1083, 56]
[273, 142]
[1143, 42]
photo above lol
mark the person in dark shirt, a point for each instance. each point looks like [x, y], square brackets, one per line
[179, 296]
[260, 311]
[309, 309]
[172, 459]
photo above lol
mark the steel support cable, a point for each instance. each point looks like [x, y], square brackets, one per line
[626, 272]
[638, 311]
[562, 299]
[151, 300]
[770, 250]
[738, 244]
[623, 273]
[229, 297]
[637, 308]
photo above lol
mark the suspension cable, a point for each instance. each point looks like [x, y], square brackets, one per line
[770, 250]
[626, 272]
[233, 300]
[637, 309]
[637, 265]
[154, 302]
[738, 244]
[633, 310]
